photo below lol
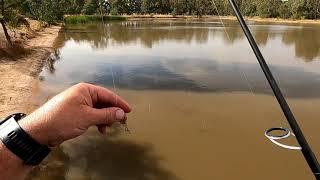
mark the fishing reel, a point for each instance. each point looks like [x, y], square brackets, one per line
[284, 133]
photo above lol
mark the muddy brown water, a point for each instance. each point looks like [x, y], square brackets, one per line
[200, 101]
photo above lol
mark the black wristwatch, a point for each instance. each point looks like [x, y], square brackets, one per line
[20, 143]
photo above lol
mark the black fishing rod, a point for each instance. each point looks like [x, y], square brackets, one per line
[304, 146]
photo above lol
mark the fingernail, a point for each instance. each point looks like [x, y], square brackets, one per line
[120, 114]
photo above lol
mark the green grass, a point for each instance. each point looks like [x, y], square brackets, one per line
[81, 19]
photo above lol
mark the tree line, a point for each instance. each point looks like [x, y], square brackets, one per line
[298, 9]
[13, 11]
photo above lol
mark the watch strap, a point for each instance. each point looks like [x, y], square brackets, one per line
[20, 143]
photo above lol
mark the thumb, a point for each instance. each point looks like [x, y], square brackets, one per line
[107, 116]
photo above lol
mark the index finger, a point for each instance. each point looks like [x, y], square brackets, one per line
[103, 96]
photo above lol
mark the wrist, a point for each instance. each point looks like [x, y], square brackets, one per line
[35, 129]
[19, 142]
[11, 167]
[6, 155]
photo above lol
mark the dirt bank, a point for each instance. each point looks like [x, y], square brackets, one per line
[18, 76]
[259, 19]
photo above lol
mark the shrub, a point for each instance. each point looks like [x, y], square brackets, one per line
[81, 19]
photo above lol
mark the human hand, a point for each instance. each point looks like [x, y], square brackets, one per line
[69, 114]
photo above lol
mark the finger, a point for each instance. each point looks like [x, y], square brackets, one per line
[103, 128]
[107, 116]
[103, 96]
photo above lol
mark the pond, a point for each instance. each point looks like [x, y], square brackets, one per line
[200, 102]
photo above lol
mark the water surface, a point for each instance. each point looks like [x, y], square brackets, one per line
[201, 103]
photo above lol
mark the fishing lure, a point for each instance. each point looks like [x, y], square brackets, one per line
[126, 128]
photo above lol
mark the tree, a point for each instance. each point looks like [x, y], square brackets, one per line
[5, 30]
[45, 10]
[8, 14]
[268, 8]
[312, 9]
[120, 7]
[284, 10]
[202, 7]
[296, 8]
[90, 7]
[249, 7]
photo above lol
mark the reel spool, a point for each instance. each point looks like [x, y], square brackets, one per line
[286, 133]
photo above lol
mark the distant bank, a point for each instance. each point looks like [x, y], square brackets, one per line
[277, 20]
[80, 19]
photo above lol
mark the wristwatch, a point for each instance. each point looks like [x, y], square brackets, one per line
[20, 143]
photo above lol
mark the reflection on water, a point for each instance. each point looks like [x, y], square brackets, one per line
[191, 87]
[187, 74]
[307, 46]
[123, 159]
[305, 38]
[196, 56]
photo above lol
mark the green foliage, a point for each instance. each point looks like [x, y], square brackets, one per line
[81, 19]
[312, 9]
[297, 8]
[268, 8]
[284, 11]
[120, 7]
[44, 10]
[5, 11]
[202, 7]
[125, 6]
[90, 7]
[264, 8]
[249, 7]
[52, 11]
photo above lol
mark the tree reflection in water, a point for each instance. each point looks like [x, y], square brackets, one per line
[49, 64]
[306, 38]
[95, 157]
[306, 42]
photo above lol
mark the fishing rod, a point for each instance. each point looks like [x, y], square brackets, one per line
[304, 146]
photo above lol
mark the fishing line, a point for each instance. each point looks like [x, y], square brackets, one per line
[224, 27]
[241, 72]
[124, 124]
[305, 148]
[113, 83]
[126, 128]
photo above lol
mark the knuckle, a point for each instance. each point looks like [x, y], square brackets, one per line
[81, 85]
[109, 115]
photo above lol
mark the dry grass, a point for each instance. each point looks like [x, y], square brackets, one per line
[12, 52]
[19, 37]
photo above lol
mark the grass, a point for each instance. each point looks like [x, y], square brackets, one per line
[15, 51]
[81, 19]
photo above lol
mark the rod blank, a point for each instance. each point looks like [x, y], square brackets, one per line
[306, 150]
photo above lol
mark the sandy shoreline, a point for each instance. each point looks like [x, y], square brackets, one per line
[19, 76]
[257, 19]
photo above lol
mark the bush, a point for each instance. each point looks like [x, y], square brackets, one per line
[284, 11]
[81, 19]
